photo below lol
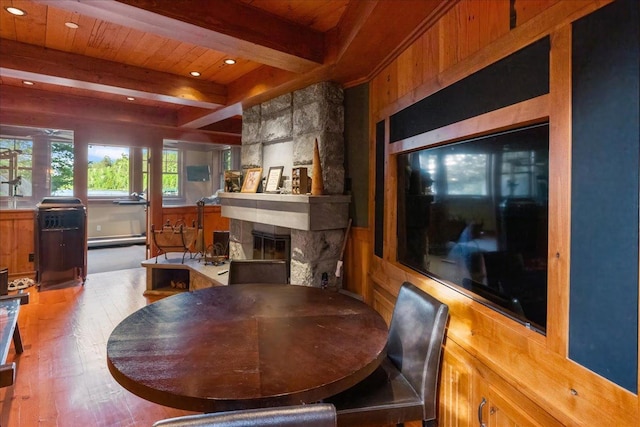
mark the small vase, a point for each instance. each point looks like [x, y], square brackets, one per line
[317, 185]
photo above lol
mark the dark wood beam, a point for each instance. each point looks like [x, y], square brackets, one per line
[225, 26]
[124, 133]
[34, 101]
[30, 62]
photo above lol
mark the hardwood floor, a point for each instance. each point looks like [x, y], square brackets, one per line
[62, 377]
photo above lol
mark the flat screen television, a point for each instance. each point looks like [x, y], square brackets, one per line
[198, 173]
[474, 215]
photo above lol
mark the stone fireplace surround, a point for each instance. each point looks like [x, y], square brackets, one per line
[316, 224]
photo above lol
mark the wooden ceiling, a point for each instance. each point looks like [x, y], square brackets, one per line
[145, 49]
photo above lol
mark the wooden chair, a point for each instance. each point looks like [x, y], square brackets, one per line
[258, 271]
[404, 387]
[312, 415]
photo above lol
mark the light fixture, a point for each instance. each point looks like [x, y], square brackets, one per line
[130, 98]
[27, 82]
[195, 73]
[15, 11]
[71, 25]
[229, 61]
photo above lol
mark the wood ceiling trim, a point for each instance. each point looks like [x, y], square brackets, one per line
[228, 27]
[34, 101]
[25, 61]
[29, 107]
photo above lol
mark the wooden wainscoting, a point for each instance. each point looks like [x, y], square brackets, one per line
[356, 260]
[212, 220]
[17, 242]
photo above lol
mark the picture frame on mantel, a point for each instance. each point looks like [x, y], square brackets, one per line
[273, 179]
[232, 180]
[252, 180]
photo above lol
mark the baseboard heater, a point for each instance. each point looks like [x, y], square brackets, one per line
[116, 241]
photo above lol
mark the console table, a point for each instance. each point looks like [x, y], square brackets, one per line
[193, 273]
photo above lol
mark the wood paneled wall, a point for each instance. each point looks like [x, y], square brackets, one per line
[524, 377]
[17, 228]
[212, 220]
[17, 242]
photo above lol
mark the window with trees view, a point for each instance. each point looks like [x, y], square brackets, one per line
[171, 165]
[31, 170]
[171, 173]
[108, 173]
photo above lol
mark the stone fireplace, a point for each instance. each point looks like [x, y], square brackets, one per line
[289, 125]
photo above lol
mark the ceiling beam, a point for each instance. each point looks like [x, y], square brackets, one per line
[30, 62]
[224, 26]
[128, 133]
[34, 101]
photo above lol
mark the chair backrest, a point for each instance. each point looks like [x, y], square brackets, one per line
[312, 415]
[258, 271]
[416, 334]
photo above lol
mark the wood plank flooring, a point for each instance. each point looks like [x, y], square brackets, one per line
[62, 377]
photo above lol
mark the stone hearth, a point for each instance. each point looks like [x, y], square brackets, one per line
[316, 223]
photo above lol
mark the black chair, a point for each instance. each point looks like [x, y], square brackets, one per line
[312, 415]
[404, 387]
[258, 271]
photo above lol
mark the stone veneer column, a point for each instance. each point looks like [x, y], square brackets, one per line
[315, 112]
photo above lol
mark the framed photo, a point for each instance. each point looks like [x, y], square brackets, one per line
[232, 181]
[273, 179]
[252, 180]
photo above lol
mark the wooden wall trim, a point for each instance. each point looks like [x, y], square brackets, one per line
[518, 115]
[559, 184]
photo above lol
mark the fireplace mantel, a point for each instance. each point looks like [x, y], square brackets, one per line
[297, 211]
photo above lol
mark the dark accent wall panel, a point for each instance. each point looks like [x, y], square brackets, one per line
[603, 315]
[379, 191]
[356, 136]
[520, 76]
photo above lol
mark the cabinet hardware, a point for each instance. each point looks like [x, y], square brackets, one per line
[480, 407]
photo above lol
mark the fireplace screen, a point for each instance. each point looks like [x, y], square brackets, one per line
[271, 246]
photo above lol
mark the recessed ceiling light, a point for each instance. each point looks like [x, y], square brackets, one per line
[72, 25]
[27, 82]
[229, 61]
[130, 98]
[195, 73]
[15, 11]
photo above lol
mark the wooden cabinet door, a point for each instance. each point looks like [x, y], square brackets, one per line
[456, 407]
[52, 254]
[501, 405]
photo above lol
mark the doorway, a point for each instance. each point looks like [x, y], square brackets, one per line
[117, 207]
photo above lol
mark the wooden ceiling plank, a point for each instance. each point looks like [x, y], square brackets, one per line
[51, 66]
[32, 27]
[229, 27]
[58, 36]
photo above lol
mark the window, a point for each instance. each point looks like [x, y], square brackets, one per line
[108, 173]
[61, 168]
[171, 173]
[225, 160]
[34, 163]
[171, 166]
[16, 164]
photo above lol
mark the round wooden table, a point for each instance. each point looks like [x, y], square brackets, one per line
[246, 346]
